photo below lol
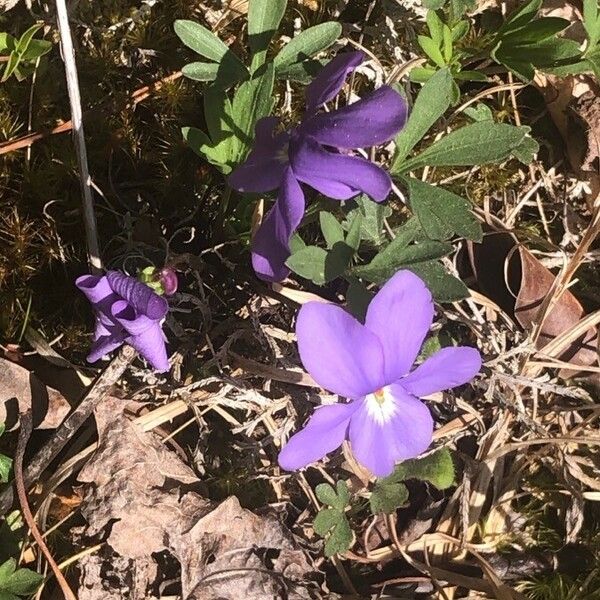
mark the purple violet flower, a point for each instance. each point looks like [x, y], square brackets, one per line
[371, 364]
[127, 312]
[316, 153]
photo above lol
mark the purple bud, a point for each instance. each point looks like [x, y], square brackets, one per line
[168, 279]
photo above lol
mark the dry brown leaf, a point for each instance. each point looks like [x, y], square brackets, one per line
[134, 494]
[21, 390]
[517, 281]
[232, 553]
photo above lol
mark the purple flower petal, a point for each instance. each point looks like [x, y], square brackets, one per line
[124, 314]
[324, 432]
[151, 345]
[138, 295]
[400, 315]
[266, 164]
[380, 445]
[374, 119]
[331, 78]
[447, 368]
[271, 243]
[337, 175]
[96, 289]
[105, 344]
[340, 353]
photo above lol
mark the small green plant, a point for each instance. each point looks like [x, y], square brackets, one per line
[15, 582]
[332, 522]
[5, 462]
[231, 117]
[23, 53]
[390, 493]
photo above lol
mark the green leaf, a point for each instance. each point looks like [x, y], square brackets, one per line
[525, 152]
[355, 232]
[421, 74]
[443, 286]
[434, 4]
[520, 17]
[473, 144]
[338, 498]
[431, 103]
[436, 468]
[296, 243]
[2, 429]
[11, 66]
[447, 44]
[387, 497]
[26, 38]
[340, 540]
[442, 214]
[395, 257]
[7, 42]
[36, 49]
[432, 50]
[536, 31]
[252, 101]
[326, 520]
[20, 582]
[436, 27]
[479, 112]
[591, 22]
[201, 71]
[200, 143]
[460, 30]
[309, 262]
[264, 17]
[302, 72]
[201, 40]
[306, 44]
[332, 229]
[460, 7]
[371, 224]
[5, 467]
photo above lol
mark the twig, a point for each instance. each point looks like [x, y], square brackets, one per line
[72, 423]
[26, 421]
[89, 218]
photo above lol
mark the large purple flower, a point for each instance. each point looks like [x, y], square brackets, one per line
[127, 311]
[371, 364]
[316, 153]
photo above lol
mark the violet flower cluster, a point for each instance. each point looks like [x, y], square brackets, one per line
[386, 420]
[127, 312]
[316, 153]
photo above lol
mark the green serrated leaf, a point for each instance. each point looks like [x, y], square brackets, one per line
[332, 229]
[306, 44]
[264, 17]
[326, 520]
[338, 498]
[442, 214]
[432, 50]
[473, 144]
[398, 256]
[388, 497]
[431, 103]
[340, 540]
[436, 468]
[443, 286]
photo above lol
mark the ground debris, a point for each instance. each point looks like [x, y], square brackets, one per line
[136, 498]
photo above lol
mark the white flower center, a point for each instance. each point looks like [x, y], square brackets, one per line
[380, 405]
